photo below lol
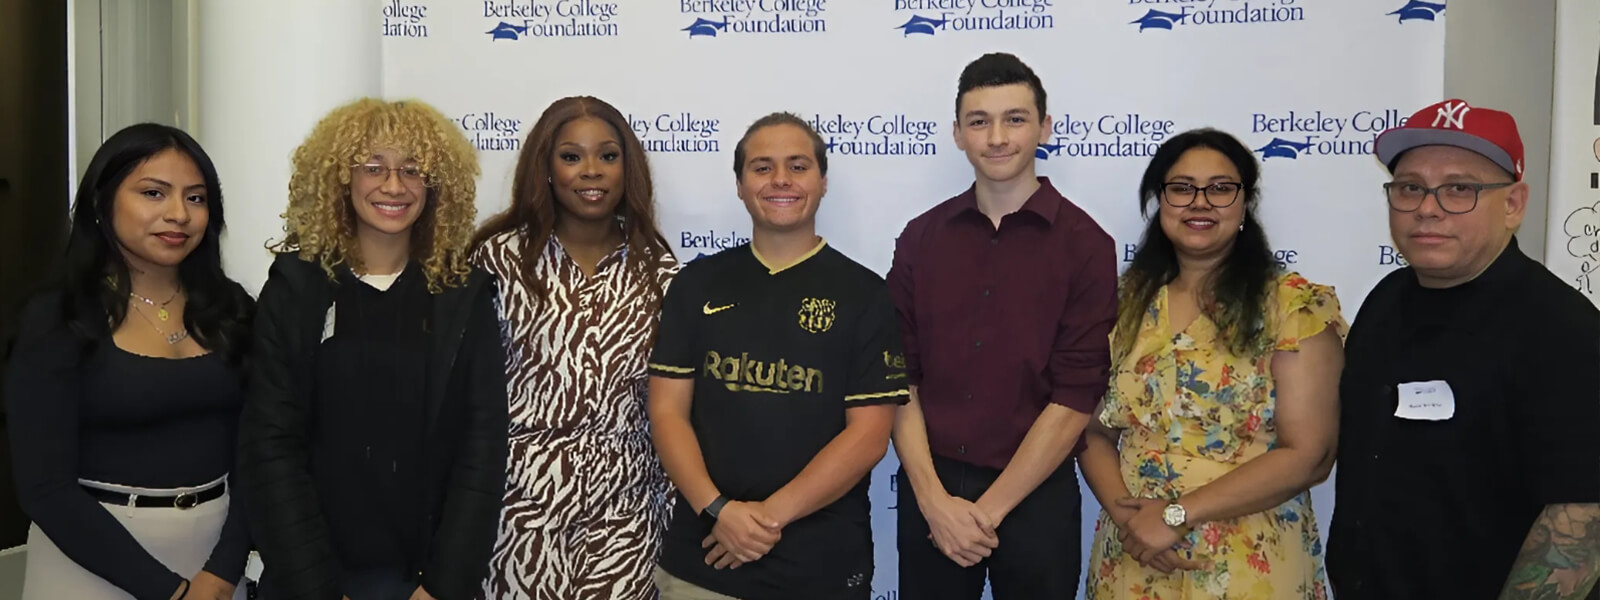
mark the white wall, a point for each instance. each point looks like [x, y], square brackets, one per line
[1500, 54]
[266, 77]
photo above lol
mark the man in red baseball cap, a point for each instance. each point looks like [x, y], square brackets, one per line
[1470, 399]
[1477, 155]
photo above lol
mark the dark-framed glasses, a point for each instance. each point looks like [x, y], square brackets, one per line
[1221, 194]
[377, 172]
[1455, 198]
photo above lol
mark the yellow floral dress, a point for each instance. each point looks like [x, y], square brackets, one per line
[1190, 411]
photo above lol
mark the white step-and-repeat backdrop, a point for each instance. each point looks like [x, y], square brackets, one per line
[1308, 83]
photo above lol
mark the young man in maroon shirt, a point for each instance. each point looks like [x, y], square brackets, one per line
[1006, 295]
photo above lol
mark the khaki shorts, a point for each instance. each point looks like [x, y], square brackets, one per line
[673, 588]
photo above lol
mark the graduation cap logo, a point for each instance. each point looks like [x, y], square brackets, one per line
[1417, 10]
[921, 24]
[1156, 19]
[707, 27]
[1283, 148]
[506, 31]
[1044, 151]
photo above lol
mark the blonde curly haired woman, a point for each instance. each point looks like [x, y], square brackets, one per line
[373, 441]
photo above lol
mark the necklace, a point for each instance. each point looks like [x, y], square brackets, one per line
[172, 338]
[161, 311]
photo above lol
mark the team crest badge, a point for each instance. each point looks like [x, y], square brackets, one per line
[816, 314]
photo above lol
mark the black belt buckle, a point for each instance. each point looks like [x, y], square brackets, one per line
[184, 501]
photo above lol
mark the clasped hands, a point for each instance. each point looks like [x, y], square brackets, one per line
[1146, 536]
[745, 532]
[964, 531]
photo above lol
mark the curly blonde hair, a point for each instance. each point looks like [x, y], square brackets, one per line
[320, 221]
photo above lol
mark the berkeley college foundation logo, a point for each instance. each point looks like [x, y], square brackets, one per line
[932, 17]
[882, 134]
[1105, 136]
[708, 242]
[677, 132]
[1285, 257]
[716, 18]
[405, 19]
[1176, 14]
[523, 19]
[1297, 134]
[491, 132]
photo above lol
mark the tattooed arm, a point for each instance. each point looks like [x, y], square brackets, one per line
[1561, 558]
[1554, 421]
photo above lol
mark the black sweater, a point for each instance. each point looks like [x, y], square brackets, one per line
[97, 412]
[367, 442]
[461, 480]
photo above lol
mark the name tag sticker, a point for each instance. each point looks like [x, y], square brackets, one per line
[327, 324]
[1426, 401]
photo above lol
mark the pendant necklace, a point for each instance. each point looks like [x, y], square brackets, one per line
[172, 338]
[161, 311]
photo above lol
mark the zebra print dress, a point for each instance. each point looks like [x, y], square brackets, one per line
[586, 501]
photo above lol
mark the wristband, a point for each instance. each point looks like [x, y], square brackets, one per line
[714, 510]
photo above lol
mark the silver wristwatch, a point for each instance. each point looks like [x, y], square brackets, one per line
[1175, 515]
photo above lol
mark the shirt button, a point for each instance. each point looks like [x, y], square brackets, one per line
[994, 240]
[978, 343]
[961, 450]
[969, 396]
[986, 293]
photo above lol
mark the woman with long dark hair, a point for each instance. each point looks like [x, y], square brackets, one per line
[584, 268]
[374, 433]
[124, 388]
[1223, 397]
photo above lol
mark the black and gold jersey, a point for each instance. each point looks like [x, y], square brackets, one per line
[778, 355]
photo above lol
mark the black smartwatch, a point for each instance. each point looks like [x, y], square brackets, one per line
[713, 510]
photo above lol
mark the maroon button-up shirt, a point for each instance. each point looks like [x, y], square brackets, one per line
[999, 322]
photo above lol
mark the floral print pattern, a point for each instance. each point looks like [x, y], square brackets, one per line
[1190, 411]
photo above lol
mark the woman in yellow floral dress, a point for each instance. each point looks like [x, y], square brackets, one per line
[1224, 398]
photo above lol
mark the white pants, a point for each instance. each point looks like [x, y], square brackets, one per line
[181, 539]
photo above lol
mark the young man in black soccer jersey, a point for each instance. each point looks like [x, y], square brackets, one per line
[774, 382]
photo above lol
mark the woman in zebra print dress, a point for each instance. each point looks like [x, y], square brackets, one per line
[583, 268]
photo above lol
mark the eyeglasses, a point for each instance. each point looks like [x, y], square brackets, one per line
[377, 173]
[1454, 198]
[1221, 194]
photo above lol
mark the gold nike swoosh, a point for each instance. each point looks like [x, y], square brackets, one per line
[711, 311]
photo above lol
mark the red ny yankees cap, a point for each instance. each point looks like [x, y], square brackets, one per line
[1453, 122]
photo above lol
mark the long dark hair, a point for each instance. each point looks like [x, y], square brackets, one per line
[94, 276]
[533, 203]
[1233, 295]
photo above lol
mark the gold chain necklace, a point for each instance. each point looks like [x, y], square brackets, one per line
[161, 311]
